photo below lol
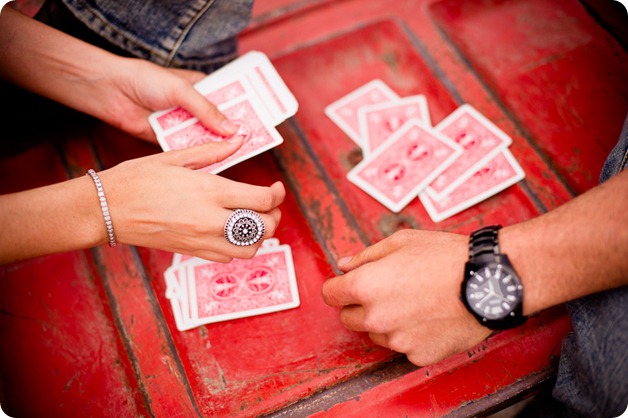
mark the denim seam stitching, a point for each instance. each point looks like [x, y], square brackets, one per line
[623, 162]
[185, 32]
[113, 31]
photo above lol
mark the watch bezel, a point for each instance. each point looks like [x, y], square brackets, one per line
[512, 319]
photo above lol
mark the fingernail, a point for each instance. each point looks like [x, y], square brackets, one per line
[343, 261]
[234, 138]
[228, 126]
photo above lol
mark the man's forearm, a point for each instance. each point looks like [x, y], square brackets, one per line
[577, 249]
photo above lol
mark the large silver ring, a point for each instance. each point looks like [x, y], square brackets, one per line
[244, 227]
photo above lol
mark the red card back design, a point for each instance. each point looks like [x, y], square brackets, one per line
[223, 94]
[404, 165]
[499, 173]
[258, 136]
[263, 284]
[481, 141]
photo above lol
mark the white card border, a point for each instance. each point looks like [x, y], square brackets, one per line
[451, 118]
[331, 109]
[441, 216]
[383, 199]
[419, 99]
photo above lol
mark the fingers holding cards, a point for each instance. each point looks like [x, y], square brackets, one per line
[451, 167]
[250, 94]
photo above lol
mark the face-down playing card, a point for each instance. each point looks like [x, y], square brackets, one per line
[245, 112]
[209, 292]
[481, 141]
[498, 174]
[404, 165]
[344, 111]
[379, 121]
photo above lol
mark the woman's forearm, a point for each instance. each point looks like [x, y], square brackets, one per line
[50, 219]
[51, 63]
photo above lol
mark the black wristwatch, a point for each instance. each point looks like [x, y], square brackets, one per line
[491, 289]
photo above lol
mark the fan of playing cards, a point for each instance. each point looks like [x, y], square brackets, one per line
[203, 292]
[450, 167]
[249, 92]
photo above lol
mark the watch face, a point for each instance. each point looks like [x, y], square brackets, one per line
[493, 291]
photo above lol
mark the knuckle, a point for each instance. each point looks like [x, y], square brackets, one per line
[326, 294]
[397, 343]
[402, 237]
[270, 228]
[266, 201]
[248, 252]
[422, 358]
[345, 319]
[374, 324]
[357, 291]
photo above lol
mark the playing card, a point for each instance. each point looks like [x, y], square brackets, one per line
[252, 74]
[275, 88]
[176, 292]
[498, 174]
[481, 141]
[245, 112]
[404, 165]
[378, 121]
[166, 121]
[344, 111]
[266, 283]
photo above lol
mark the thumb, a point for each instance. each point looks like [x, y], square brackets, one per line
[206, 112]
[203, 155]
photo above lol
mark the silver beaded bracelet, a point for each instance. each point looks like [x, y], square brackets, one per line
[103, 206]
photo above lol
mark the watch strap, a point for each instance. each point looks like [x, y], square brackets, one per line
[483, 245]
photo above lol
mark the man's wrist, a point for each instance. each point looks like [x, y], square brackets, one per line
[526, 256]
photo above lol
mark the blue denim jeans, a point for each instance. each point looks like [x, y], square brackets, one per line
[195, 34]
[593, 370]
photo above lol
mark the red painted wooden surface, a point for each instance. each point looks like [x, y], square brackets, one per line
[91, 332]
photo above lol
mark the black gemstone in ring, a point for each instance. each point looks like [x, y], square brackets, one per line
[244, 227]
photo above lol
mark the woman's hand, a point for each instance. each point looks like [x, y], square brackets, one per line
[119, 91]
[137, 88]
[160, 201]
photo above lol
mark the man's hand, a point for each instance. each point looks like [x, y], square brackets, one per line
[404, 291]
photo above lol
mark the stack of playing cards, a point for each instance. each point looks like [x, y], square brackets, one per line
[249, 92]
[450, 167]
[203, 292]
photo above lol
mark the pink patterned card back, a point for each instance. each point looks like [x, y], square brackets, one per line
[263, 284]
[481, 141]
[258, 134]
[498, 174]
[404, 165]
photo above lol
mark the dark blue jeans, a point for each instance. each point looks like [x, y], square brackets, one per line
[194, 34]
[593, 371]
